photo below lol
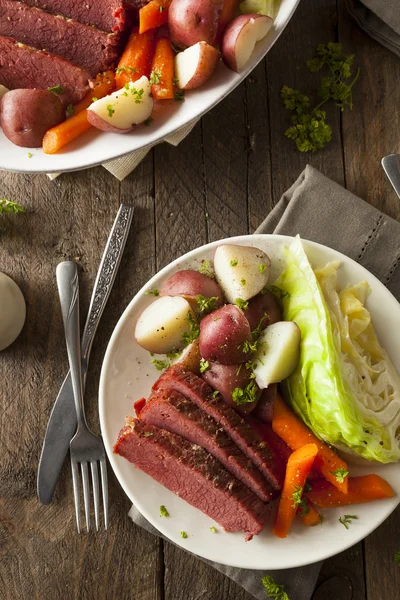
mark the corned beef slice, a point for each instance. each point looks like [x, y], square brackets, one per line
[108, 15]
[245, 437]
[193, 474]
[88, 47]
[174, 412]
[25, 67]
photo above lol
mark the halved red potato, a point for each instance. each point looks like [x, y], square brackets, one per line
[263, 310]
[190, 284]
[195, 65]
[227, 378]
[192, 21]
[240, 38]
[190, 357]
[120, 111]
[223, 334]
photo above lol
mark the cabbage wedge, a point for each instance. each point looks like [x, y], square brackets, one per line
[345, 387]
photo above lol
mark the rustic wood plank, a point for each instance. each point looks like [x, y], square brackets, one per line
[342, 576]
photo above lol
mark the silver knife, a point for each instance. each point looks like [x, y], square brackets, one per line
[391, 165]
[62, 423]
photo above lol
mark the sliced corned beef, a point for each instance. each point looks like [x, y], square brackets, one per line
[108, 15]
[174, 412]
[245, 437]
[87, 47]
[193, 474]
[25, 67]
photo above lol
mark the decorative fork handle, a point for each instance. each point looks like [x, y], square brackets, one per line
[68, 290]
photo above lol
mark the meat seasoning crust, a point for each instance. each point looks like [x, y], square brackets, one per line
[193, 474]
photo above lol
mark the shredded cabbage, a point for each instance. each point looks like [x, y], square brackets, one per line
[258, 7]
[345, 387]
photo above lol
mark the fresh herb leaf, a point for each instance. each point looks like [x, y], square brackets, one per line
[234, 262]
[304, 508]
[94, 99]
[7, 206]
[215, 393]
[256, 332]
[242, 304]
[179, 96]
[163, 511]
[296, 496]
[307, 487]
[110, 110]
[194, 331]
[184, 535]
[173, 355]
[245, 395]
[154, 292]
[155, 77]
[340, 474]
[30, 154]
[148, 121]
[206, 305]
[204, 365]
[175, 48]
[175, 81]
[278, 292]
[159, 364]
[243, 281]
[205, 269]
[262, 268]
[213, 529]
[56, 89]
[161, 9]
[346, 520]
[124, 69]
[248, 346]
[70, 110]
[275, 591]
[397, 557]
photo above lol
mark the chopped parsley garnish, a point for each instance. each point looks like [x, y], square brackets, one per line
[296, 496]
[154, 292]
[242, 304]
[194, 331]
[248, 346]
[307, 487]
[155, 77]
[7, 206]
[148, 121]
[256, 332]
[124, 69]
[184, 535]
[173, 355]
[204, 365]
[262, 268]
[243, 281]
[179, 96]
[213, 529]
[397, 557]
[175, 48]
[160, 365]
[30, 154]
[215, 393]
[94, 99]
[161, 8]
[234, 262]
[56, 89]
[206, 305]
[175, 81]
[245, 395]
[346, 520]
[205, 269]
[163, 511]
[71, 109]
[274, 590]
[110, 110]
[135, 92]
[340, 474]
[278, 292]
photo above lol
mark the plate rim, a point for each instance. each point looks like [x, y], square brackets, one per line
[356, 538]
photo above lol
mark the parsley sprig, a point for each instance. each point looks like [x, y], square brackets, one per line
[397, 557]
[7, 207]
[245, 395]
[206, 305]
[194, 331]
[275, 590]
[340, 474]
[347, 519]
[309, 129]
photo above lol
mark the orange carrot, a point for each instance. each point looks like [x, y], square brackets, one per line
[103, 85]
[309, 514]
[297, 469]
[153, 15]
[296, 434]
[227, 15]
[360, 489]
[162, 71]
[60, 135]
[136, 58]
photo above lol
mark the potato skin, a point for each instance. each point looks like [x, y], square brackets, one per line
[192, 21]
[265, 406]
[263, 307]
[222, 334]
[207, 63]
[26, 115]
[225, 378]
[190, 284]
[95, 120]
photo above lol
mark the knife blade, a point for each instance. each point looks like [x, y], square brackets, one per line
[391, 165]
[62, 422]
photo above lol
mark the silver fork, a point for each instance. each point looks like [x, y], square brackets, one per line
[85, 447]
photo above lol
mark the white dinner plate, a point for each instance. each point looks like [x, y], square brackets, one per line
[127, 375]
[95, 147]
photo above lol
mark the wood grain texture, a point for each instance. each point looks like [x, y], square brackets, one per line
[221, 181]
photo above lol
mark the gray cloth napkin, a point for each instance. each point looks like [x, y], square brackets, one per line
[322, 211]
[380, 19]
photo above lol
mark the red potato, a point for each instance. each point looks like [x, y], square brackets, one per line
[264, 410]
[222, 335]
[241, 37]
[195, 65]
[190, 284]
[192, 21]
[263, 310]
[120, 111]
[225, 379]
[190, 357]
[26, 115]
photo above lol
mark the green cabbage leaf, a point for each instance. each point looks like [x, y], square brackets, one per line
[345, 387]
[258, 7]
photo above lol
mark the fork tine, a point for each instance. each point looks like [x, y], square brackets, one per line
[95, 480]
[104, 487]
[86, 498]
[75, 479]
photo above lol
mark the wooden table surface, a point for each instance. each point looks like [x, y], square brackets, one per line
[221, 181]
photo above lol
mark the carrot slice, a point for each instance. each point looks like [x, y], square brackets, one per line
[227, 15]
[103, 85]
[136, 58]
[296, 434]
[365, 488]
[153, 15]
[297, 469]
[162, 71]
[310, 516]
